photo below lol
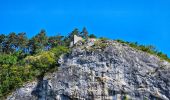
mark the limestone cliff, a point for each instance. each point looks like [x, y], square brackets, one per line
[113, 71]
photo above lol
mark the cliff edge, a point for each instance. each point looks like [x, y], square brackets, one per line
[107, 70]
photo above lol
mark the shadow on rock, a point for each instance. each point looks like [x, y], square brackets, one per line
[43, 90]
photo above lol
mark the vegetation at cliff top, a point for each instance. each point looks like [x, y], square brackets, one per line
[24, 59]
[147, 48]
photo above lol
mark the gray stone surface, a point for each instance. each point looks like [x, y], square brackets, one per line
[112, 73]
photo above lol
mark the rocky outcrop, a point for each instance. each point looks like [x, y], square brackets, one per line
[111, 72]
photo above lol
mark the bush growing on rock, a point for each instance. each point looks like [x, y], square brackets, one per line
[146, 48]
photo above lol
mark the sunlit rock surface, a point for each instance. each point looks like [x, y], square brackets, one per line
[114, 72]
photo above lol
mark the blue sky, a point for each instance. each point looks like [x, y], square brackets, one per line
[144, 21]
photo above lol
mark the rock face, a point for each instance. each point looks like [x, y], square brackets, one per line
[114, 72]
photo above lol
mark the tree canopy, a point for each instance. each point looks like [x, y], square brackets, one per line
[23, 59]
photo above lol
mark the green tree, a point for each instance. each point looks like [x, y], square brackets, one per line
[10, 43]
[69, 38]
[8, 59]
[75, 32]
[2, 41]
[92, 36]
[38, 43]
[55, 41]
[42, 39]
[32, 46]
[84, 33]
[42, 61]
[22, 42]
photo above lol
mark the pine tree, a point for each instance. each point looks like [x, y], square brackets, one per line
[85, 33]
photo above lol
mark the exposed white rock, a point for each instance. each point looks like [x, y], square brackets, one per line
[110, 73]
